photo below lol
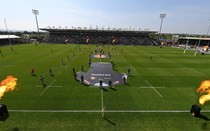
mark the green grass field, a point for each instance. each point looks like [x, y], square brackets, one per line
[158, 95]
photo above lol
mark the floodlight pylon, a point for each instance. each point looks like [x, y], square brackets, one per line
[36, 12]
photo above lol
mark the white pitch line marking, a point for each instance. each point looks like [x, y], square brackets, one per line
[56, 86]
[133, 67]
[124, 59]
[102, 100]
[150, 87]
[130, 65]
[58, 111]
[47, 87]
[187, 68]
[153, 88]
[50, 86]
[96, 111]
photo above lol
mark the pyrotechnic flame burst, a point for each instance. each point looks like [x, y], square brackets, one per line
[205, 48]
[7, 84]
[204, 91]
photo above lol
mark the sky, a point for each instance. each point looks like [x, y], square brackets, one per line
[182, 16]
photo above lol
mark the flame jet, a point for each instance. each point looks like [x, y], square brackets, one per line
[204, 91]
[7, 84]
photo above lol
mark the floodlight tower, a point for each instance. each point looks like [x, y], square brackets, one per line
[8, 35]
[161, 17]
[36, 12]
[5, 22]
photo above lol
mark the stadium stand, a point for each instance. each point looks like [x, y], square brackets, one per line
[4, 39]
[79, 36]
[194, 41]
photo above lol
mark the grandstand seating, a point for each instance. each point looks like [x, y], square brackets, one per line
[99, 37]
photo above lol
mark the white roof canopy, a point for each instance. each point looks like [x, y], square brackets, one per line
[194, 38]
[9, 37]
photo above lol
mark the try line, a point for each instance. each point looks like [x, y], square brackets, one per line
[99, 111]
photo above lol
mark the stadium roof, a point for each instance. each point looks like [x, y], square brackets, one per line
[9, 37]
[95, 31]
[194, 38]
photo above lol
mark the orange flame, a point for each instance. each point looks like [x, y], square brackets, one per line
[7, 84]
[205, 48]
[204, 91]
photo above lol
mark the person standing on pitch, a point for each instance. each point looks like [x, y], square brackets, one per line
[11, 48]
[82, 79]
[150, 57]
[89, 64]
[50, 72]
[33, 72]
[73, 70]
[129, 71]
[124, 79]
[75, 75]
[68, 57]
[113, 66]
[112, 61]
[101, 83]
[62, 61]
[42, 80]
[110, 83]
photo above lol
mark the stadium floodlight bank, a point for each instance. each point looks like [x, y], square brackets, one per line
[36, 12]
[162, 16]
